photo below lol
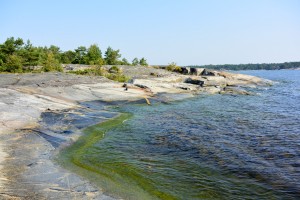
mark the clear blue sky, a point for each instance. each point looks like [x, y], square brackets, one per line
[163, 31]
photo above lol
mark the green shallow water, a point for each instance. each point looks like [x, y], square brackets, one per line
[207, 147]
[110, 179]
[115, 178]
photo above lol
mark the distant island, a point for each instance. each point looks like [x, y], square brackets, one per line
[265, 66]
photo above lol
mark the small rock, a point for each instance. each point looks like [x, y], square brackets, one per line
[194, 81]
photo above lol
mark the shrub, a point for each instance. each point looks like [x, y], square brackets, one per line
[177, 69]
[98, 70]
[117, 77]
[13, 64]
[143, 62]
[114, 73]
[135, 61]
[51, 63]
[115, 69]
[93, 71]
[173, 67]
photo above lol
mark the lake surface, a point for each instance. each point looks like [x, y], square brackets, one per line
[210, 146]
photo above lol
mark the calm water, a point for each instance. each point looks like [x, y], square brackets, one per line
[215, 147]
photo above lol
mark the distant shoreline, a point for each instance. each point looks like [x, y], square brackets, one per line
[261, 66]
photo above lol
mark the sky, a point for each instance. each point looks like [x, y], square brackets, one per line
[187, 32]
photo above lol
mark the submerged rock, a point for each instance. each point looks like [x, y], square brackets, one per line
[235, 90]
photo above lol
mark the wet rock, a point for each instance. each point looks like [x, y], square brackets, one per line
[235, 90]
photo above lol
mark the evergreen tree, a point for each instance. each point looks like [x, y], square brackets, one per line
[56, 51]
[15, 56]
[125, 62]
[135, 61]
[143, 62]
[80, 55]
[112, 56]
[11, 45]
[10, 60]
[30, 54]
[94, 55]
[51, 63]
[68, 57]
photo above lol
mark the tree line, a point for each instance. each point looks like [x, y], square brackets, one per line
[19, 56]
[265, 66]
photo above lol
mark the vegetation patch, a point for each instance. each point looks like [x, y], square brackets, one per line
[16, 56]
[114, 73]
[173, 67]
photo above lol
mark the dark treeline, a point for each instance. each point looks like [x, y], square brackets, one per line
[266, 66]
[19, 56]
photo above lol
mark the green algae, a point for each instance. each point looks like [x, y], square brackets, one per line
[115, 178]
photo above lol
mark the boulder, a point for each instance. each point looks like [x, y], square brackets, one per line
[206, 72]
[196, 71]
[185, 70]
[194, 81]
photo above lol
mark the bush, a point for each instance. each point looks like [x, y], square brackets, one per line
[93, 71]
[177, 69]
[117, 77]
[13, 64]
[173, 67]
[51, 63]
[114, 73]
[143, 62]
[98, 70]
[80, 72]
[114, 69]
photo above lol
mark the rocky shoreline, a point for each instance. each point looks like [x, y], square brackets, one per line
[27, 170]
